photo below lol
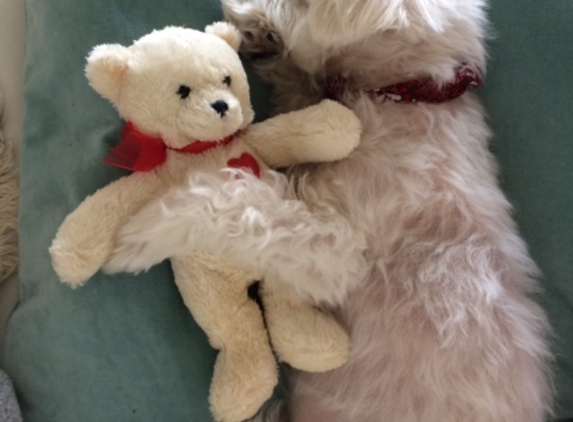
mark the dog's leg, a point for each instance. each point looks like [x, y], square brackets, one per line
[260, 38]
[293, 88]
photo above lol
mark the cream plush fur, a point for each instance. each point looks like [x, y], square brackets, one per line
[144, 82]
[444, 329]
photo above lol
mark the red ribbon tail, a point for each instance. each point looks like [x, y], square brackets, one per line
[137, 152]
[124, 155]
[140, 152]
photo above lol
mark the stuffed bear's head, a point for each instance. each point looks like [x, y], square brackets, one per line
[179, 84]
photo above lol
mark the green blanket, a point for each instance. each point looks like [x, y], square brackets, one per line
[125, 348]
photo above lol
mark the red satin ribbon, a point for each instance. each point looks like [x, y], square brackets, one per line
[140, 152]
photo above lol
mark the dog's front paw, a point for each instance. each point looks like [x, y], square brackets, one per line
[260, 41]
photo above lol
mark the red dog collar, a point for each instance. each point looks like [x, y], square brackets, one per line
[418, 90]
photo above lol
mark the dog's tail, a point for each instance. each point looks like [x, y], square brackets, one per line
[251, 223]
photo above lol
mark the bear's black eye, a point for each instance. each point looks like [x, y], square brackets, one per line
[227, 80]
[183, 91]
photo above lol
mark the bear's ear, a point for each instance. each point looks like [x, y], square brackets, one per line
[105, 67]
[227, 32]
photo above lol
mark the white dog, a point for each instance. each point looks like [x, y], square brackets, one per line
[443, 329]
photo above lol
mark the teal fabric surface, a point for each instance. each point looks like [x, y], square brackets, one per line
[529, 99]
[125, 348]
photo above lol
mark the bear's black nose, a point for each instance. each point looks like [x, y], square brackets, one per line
[220, 107]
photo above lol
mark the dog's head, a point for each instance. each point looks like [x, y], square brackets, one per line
[406, 34]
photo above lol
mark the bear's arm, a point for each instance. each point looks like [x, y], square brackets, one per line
[86, 237]
[324, 132]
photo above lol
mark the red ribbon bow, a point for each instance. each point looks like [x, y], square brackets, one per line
[140, 152]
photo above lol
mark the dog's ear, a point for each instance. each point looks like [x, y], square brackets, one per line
[105, 68]
[227, 32]
[341, 22]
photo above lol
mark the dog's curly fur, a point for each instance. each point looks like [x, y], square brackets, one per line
[444, 328]
[260, 226]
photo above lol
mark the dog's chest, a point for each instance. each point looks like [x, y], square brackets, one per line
[379, 188]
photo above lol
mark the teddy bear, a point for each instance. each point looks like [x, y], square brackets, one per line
[185, 97]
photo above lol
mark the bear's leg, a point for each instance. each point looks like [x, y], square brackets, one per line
[301, 335]
[245, 372]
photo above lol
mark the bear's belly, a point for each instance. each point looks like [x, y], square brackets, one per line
[180, 165]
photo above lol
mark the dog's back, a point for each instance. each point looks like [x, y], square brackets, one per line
[443, 329]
